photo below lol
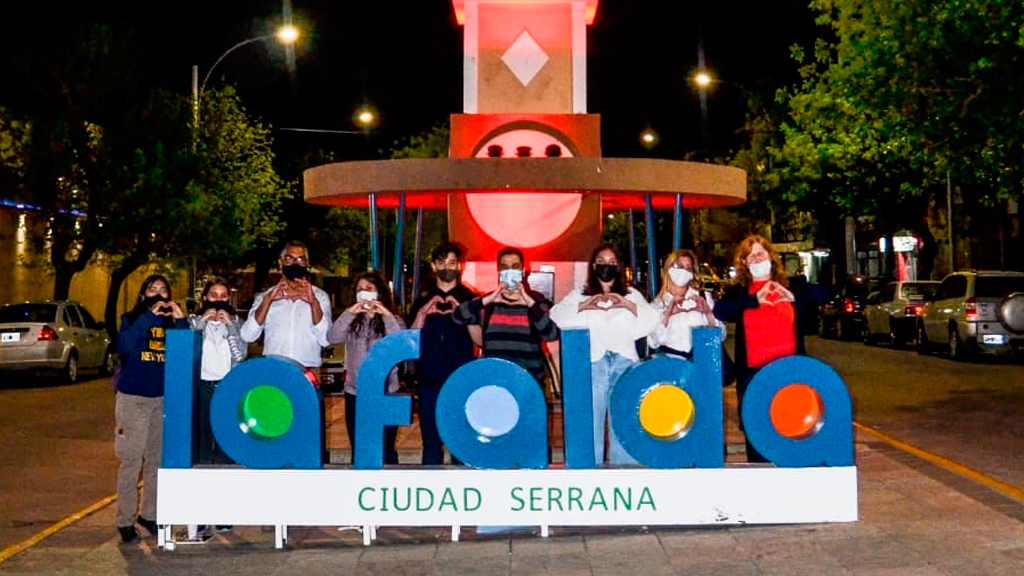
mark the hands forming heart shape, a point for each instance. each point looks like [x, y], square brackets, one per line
[686, 304]
[773, 293]
[446, 305]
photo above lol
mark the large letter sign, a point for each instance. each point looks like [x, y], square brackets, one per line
[666, 413]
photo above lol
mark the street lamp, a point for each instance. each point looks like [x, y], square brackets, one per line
[648, 138]
[365, 117]
[287, 35]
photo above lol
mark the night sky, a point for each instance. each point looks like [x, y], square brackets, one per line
[405, 58]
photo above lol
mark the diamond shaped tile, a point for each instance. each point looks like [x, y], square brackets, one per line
[525, 58]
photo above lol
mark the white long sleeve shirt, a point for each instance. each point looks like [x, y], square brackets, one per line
[289, 329]
[613, 330]
[678, 335]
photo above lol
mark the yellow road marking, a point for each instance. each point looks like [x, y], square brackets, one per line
[6, 553]
[1003, 488]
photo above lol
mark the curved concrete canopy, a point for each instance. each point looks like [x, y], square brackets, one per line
[622, 182]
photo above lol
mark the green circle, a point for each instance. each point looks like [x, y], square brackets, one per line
[266, 412]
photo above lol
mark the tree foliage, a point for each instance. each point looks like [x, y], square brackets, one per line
[893, 98]
[114, 165]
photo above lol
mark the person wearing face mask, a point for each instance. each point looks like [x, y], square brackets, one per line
[616, 316]
[359, 327]
[766, 311]
[223, 349]
[444, 345]
[293, 315]
[139, 407]
[682, 305]
[514, 319]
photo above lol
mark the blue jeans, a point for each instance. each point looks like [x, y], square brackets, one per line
[603, 373]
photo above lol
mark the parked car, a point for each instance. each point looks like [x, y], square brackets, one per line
[842, 317]
[974, 312]
[891, 313]
[54, 337]
[711, 281]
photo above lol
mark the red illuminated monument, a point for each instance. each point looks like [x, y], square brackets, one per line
[525, 166]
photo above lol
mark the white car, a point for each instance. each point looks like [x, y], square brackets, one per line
[54, 337]
[974, 311]
[891, 313]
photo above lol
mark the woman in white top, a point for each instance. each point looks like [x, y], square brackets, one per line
[617, 316]
[223, 348]
[683, 306]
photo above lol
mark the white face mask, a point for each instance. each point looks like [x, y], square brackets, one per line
[680, 276]
[365, 296]
[761, 270]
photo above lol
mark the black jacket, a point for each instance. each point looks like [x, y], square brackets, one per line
[444, 345]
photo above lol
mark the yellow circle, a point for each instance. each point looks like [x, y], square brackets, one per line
[666, 412]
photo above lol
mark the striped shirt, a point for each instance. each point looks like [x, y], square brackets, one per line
[513, 333]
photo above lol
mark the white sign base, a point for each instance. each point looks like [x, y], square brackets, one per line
[467, 497]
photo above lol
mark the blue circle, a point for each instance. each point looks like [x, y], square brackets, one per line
[492, 411]
[831, 445]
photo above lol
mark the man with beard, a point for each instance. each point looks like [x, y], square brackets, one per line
[514, 319]
[294, 314]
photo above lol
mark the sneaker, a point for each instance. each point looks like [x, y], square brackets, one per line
[149, 525]
[225, 528]
[128, 534]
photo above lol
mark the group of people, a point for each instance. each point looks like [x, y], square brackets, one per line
[511, 322]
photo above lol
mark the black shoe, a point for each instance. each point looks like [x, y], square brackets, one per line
[225, 528]
[149, 525]
[128, 534]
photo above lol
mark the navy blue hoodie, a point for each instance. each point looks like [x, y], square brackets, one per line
[141, 347]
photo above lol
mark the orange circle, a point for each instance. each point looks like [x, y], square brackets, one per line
[797, 411]
[666, 412]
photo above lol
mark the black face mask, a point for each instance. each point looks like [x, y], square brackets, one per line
[149, 301]
[294, 271]
[606, 272]
[218, 305]
[447, 275]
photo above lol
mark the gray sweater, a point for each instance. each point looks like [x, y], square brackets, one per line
[356, 347]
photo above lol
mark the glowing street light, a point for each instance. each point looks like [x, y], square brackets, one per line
[702, 80]
[648, 138]
[286, 35]
[365, 117]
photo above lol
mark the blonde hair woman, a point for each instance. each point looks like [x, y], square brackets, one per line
[682, 305]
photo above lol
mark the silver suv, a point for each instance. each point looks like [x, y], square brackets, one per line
[974, 311]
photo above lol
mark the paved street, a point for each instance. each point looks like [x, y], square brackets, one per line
[970, 412]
